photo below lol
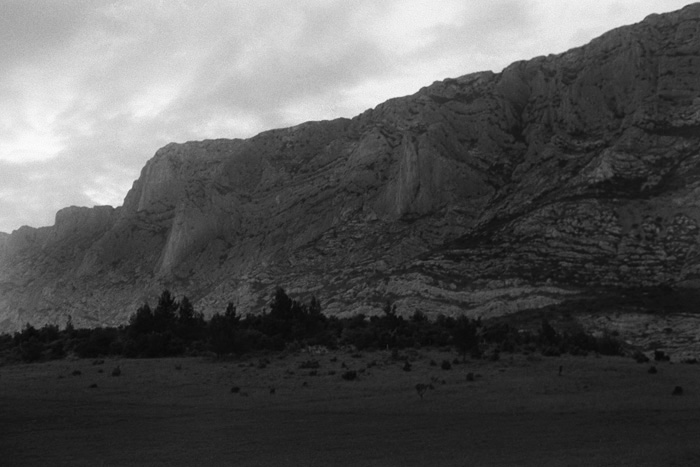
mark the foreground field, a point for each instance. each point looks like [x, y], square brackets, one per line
[516, 411]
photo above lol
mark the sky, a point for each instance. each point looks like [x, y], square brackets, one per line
[90, 89]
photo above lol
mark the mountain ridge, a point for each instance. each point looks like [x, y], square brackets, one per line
[485, 194]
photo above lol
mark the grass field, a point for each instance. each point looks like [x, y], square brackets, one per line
[517, 411]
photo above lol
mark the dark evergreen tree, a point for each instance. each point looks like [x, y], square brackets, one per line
[222, 331]
[230, 313]
[465, 337]
[190, 324]
[142, 322]
[548, 335]
[314, 306]
[69, 329]
[281, 306]
[165, 314]
[185, 312]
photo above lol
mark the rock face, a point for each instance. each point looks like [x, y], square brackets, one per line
[486, 194]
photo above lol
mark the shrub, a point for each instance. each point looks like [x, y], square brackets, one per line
[57, 350]
[639, 357]
[31, 350]
[548, 335]
[421, 389]
[446, 365]
[609, 345]
[349, 375]
[98, 343]
[310, 364]
[551, 351]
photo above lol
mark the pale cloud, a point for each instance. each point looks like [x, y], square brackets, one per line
[90, 89]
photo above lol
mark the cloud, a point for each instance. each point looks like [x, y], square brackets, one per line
[32, 31]
[90, 89]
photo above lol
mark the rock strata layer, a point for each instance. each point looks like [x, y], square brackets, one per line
[486, 194]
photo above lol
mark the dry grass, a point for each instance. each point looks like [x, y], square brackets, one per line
[517, 411]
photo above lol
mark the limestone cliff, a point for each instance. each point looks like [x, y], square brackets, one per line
[486, 194]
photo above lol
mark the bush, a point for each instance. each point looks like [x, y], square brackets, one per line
[31, 350]
[609, 345]
[551, 351]
[660, 356]
[98, 343]
[548, 335]
[309, 365]
[639, 357]
[57, 350]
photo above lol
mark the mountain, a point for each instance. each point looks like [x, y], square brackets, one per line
[561, 177]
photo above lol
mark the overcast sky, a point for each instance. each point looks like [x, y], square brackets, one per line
[90, 89]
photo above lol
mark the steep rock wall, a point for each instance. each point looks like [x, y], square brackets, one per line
[485, 194]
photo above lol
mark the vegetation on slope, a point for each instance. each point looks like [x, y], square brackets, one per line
[176, 328]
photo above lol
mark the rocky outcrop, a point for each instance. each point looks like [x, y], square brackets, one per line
[486, 194]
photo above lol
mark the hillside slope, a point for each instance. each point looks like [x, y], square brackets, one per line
[486, 194]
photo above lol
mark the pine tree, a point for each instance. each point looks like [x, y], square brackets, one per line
[165, 314]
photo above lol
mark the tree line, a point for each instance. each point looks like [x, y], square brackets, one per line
[175, 328]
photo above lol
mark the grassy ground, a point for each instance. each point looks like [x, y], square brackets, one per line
[517, 411]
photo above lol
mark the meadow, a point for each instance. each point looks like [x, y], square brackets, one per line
[342, 407]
